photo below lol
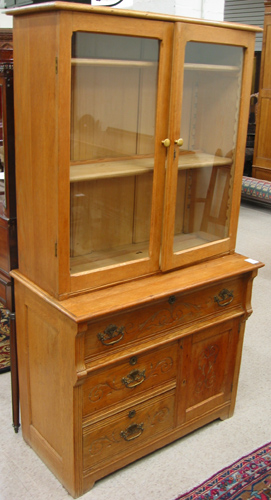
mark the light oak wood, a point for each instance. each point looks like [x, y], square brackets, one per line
[138, 166]
[113, 62]
[124, 343]
[201, 97]
[129, 151]
[151, 371]
[55, 238]
[131, 13]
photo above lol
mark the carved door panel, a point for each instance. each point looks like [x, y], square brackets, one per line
[207, 370]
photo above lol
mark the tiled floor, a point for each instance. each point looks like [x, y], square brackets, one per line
[178, 467]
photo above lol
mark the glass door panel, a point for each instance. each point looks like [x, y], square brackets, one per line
[113, 115]
[208, 132]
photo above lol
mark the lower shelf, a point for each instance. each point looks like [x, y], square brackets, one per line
[110, 257]
[135, 251]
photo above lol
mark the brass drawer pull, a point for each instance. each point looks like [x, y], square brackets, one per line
[224, 297]
[111, 335]
[134, 378]
[132, 432]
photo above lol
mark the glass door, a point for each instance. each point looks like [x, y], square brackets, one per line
[114, 98]
[201, 166]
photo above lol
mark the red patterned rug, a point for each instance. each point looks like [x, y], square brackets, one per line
[4, 341]
[247, 479]
[256, 190]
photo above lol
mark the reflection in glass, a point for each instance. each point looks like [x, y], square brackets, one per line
[113, 113]
[2, 149]
[209, 122]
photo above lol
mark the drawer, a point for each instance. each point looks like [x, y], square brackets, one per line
[4, 248]
[6, 291]
[127, 431]
[129, 378]
[133, 325]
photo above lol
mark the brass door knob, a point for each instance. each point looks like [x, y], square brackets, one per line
[166, 143]
[179, 142]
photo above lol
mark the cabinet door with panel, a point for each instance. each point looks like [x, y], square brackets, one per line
[207, 377]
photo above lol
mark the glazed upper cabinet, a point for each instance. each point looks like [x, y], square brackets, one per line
[135, 143]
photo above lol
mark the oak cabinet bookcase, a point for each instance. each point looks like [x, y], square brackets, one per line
[131, 301]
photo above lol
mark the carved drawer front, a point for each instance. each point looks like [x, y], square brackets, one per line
[117, 331]
[127, 379]
[127, 431]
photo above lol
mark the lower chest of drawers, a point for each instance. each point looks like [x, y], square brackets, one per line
[100, 392]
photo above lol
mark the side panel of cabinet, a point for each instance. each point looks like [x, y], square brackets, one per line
[207, 371]
[47, 376]
[36, 101]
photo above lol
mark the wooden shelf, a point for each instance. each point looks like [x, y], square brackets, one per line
[104, 258]
[143, 64]
[211, 67]
[104, 170]
[191, 240]
[112, 62]
[200, 160]
[139, 166]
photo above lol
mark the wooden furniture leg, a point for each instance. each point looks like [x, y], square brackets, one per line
[14, 372]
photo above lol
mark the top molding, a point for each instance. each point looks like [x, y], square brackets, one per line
[80, 7]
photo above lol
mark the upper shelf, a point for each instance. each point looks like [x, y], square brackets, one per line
[139, 166]
[113, 62]
[211, 67]
[103, 170]
[145, 64]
